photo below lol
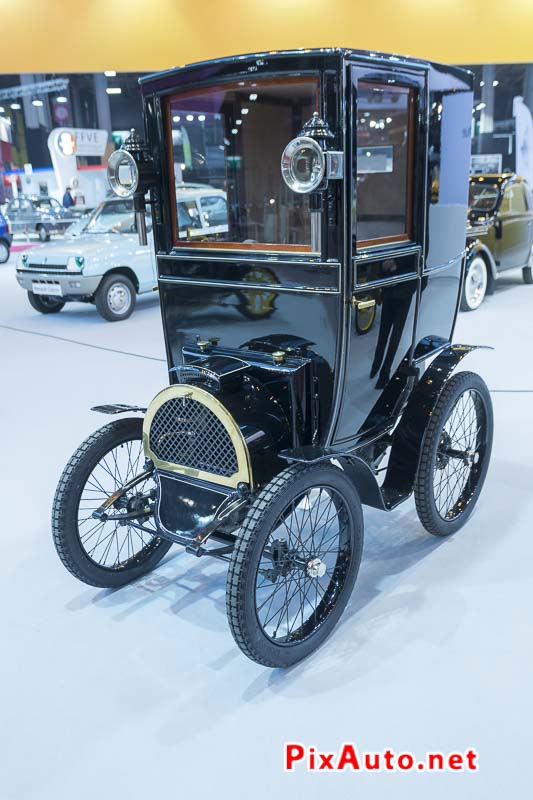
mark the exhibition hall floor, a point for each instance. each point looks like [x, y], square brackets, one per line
[141, 693]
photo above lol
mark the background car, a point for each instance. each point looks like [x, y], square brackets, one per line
[6, 238]
[103, 265]
[41, 215]
[499, 236]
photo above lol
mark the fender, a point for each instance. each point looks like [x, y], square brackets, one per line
[476, 247]
[408, 436]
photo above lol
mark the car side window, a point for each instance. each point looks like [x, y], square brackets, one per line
[514, 200]
[214, 210]
[188, 217]
[385, 131]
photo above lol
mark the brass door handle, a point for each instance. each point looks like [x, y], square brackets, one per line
[362, 305]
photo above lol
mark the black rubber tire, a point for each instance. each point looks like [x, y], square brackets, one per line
[45, 304]
[101, 297]
[42, 233]
[4, 252]
[240, 586]
[65, 507]
[527, 275]
[423, 490]
[465, 306]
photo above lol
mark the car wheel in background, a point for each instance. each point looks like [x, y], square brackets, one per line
[45, 304]
[527, 274]
[115, 297]
[43, 234]
[4, 252]
[475, 285]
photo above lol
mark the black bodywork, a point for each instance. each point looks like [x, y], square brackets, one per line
[335, 366]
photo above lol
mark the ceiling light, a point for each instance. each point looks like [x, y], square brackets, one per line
[388, 120]
[110, 73]
[177, 118]
[481, 106]
[244, 111]
[61, 99]
[15, 106]
[201, 117]
[253, 97]
[238, 122]
[114, 90]
[189, 118]
[495, 83]
[482, 83]
[235, 130]
[37, 103]
[2, 109]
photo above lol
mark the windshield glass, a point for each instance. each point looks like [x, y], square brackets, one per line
[113, 217]
[483, 197]
[227, 143]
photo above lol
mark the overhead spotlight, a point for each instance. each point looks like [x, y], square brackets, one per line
[482, 83]
[481, 106]
[189, 118]
[253, 97]
[2, 109]
[110, 73]
[495, 83]
[238, 122]
[114, 90]
[176, 118]
[388, 120]
[235, 130]
[61, 99]
[244, 111]
[38, 103]
[15, 106]
[201, 117]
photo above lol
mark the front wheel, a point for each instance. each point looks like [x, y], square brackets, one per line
[475, 285]
[4, 252]
[115, 297]
[294, 564]
[45, 304]
[455, 455]
[107, 552]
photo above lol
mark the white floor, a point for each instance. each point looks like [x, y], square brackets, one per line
[141, 693]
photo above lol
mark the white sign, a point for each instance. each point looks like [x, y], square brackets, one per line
[79, 141]
[485, 163]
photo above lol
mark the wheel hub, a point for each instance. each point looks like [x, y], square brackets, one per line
[316, 568]
[118, 298]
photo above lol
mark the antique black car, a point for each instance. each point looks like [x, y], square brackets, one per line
[499, 234]
[276, 427]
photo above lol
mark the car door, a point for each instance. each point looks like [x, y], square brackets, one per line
[513, 232]
[385, 247]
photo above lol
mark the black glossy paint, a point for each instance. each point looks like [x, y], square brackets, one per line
[353, 368]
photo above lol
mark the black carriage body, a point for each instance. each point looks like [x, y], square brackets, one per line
[316, 350]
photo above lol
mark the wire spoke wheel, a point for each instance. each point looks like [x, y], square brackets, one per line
[294, 564]
[455, 454]
[107, 550]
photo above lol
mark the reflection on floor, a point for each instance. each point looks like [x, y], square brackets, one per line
[142, 693]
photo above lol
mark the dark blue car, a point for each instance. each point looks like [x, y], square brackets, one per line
[5, 239]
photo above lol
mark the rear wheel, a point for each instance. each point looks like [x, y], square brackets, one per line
[115, 297]
[43, 234]
[294, 564]
[104, 552]
[45, 304]
[455, 455]
[475, 285]
[527, 275]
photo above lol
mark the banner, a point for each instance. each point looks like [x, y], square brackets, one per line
[523, 140]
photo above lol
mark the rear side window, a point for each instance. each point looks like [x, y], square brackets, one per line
[383, 192]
